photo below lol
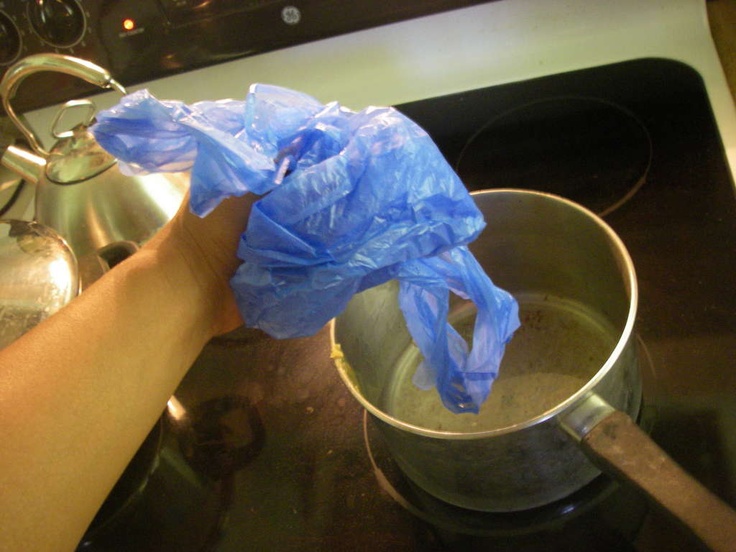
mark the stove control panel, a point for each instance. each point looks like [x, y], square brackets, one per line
[140, 40]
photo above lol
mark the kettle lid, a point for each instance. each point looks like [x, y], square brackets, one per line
[77, 157]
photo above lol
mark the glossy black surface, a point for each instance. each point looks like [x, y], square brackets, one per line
[140, 40]
[287, 468]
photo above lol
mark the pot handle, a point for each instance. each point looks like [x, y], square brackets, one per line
[617, 445]
[59, 63]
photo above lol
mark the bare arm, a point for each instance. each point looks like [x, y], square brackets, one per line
[79, 393]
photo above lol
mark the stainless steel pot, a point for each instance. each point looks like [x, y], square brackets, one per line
[569, 383]
[80, 191]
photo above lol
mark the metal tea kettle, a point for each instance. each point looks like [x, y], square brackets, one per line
[38, 276]
[80, 192]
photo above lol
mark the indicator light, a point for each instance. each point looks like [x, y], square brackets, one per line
[129, 24]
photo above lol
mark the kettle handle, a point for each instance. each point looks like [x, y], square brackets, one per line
[37, 63]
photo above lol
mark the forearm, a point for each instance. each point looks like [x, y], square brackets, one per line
[79, 393]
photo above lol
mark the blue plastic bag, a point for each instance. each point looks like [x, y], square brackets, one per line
[464, 377]
[352, 199]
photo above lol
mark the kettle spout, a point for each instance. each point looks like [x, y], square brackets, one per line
[25, 164]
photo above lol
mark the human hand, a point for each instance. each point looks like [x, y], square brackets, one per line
[208, 246]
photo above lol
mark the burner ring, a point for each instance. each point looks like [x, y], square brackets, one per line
[589, 150]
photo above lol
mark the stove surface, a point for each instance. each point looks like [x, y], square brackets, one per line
[265, 448]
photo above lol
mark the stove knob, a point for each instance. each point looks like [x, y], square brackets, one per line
[58, 22]
[9, 40]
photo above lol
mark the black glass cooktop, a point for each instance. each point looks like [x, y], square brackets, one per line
[263, 448]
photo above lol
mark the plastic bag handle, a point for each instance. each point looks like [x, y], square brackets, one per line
[85, 70]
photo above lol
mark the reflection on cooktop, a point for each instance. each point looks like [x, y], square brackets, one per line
[176, 508]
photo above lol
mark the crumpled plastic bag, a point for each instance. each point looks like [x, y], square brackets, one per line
[352, 199]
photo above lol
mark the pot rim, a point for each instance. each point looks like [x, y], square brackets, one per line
[344, 369]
